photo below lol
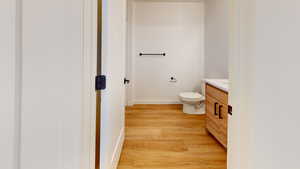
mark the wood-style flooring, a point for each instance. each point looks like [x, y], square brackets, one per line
[163, 137]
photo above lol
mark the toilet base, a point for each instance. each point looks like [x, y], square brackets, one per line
[193, 108]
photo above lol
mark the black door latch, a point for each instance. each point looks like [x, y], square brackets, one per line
[230, 110]
[126, 81]
[100, 82]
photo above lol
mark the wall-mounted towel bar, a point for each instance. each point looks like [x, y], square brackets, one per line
[152, 54]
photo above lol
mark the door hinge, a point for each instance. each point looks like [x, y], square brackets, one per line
[230, 110]
[100, 82]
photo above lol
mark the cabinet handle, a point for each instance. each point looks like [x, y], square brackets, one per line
[220, 114]
[215, 110]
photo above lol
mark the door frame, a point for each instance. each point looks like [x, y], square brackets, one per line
[242, 27]
[89, 45]
[98, 92]
[89, 53]
[129, 60]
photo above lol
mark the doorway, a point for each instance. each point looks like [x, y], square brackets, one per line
[166, 56]
[114, 26]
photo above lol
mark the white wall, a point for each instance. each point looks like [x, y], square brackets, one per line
[264, 126]
[113, 99]
[216, 38]
[173, 27]
[276, 62]
[9, 65]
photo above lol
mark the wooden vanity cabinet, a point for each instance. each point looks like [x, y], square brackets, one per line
[216, 113]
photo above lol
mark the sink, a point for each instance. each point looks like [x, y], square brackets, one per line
[222, 84]
[225, 82]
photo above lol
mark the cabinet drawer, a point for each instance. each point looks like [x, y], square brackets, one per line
[216, 93]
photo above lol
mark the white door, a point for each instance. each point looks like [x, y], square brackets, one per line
[41, 96]
[51, 84]
[113, 66]
[43, 87]
[8, 84]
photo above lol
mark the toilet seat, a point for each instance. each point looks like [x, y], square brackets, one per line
[191, 96]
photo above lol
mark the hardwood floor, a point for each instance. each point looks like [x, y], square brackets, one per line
[163, 137]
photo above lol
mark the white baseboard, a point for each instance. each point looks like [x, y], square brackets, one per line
[157, 102]
[118, 150]
[130, 103]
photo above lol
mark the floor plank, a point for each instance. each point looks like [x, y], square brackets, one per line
[163, 137]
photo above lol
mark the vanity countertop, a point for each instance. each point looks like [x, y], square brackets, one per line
[222, 84]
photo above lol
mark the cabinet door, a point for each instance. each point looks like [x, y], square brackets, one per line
[222, 122]
[216, 121]
[212, 117]
[212, 109]
[223, 115]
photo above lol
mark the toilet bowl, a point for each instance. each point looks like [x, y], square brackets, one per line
[193, 102]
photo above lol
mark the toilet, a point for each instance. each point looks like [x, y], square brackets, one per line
[193, 102]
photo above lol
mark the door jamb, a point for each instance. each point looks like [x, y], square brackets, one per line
[236, 20]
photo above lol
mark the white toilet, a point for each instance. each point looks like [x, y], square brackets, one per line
[193, 102]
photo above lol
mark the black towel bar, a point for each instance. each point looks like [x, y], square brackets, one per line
[152, 54]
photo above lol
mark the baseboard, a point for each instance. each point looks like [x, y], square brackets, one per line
[157, 102]
[118, 150]
[130, 103]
